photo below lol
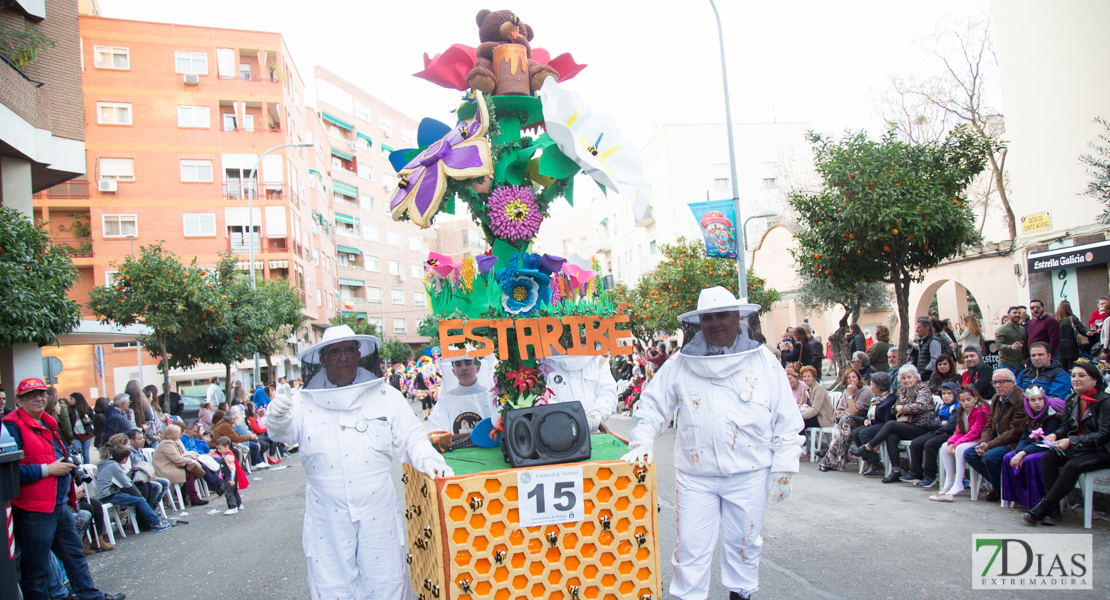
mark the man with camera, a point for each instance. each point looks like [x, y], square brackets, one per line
[43, 521]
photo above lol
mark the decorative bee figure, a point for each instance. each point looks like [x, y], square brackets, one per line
[553, 539]
[573, 589]
[416, 510]
[435, 591]
[641, 539]
[499, 557]
[408, 514]
[646, 596]
[421, 543]
[424, 490]
[405, 478]
[408, 558]
[476, 502]
[465, 585]
[604, 521]
[428, 532]
[641, 474]
[428, 584]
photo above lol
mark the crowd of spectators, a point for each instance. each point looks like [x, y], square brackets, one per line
[1030, 425]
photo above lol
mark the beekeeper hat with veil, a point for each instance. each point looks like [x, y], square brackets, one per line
[341, 359]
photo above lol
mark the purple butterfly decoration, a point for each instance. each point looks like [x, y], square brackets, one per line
[461, 154]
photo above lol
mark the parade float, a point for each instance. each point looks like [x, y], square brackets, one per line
[581, 528]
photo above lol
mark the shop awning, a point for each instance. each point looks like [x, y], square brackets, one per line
[342, 218]
[369, 141]
[351, 282]
[337, 122]
[386, 148]
[358, 315]
[348, 249]
[341, 154]
[344, 188]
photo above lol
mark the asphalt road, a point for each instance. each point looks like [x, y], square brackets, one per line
[838, 536]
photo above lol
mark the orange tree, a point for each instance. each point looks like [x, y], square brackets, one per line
[890, 210]
[175, 301]
[675, 284]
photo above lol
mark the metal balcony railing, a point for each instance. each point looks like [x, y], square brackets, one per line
[240, 190]
[75, 247]
[241, 242]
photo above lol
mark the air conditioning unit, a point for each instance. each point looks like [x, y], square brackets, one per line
[107, 185]
[352, 145]
[190, 79]
[314, 254]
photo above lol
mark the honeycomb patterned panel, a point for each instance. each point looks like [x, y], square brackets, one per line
[611, 555]
[425, 534]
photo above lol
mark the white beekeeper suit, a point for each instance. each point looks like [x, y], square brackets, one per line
[586, 379]
[459, 408]
[350, 426]
[738, 435]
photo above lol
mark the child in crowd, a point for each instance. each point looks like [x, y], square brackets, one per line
[971, 418]
[1022, 480]
[924, 449]
[234, 479]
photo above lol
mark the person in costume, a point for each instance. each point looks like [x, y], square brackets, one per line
[586, 379]
[737, 438]
[463, 402]
[350, 425]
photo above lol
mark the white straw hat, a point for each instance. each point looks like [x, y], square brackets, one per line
[367, 344]
[717, 299]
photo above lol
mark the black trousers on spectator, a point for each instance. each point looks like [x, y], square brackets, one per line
[923, 453]
[231, 494]
[1061, 473]
[892, 433]
[811, 422]
[97, 510]
[862, 435]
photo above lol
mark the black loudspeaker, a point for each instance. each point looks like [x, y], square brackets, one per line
[545, 435]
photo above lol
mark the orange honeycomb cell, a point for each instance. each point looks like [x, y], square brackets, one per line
[604, 494]
[642, 554]
[495, 507]
[608, 580]
[604, 473]
[638, 513]
[609, 597]
[590, 593]
[590, 572]
[641, 530]
[460, 536]
[573, 581]
[624, 547]
[553, 555]
[516, 538]
[513, 516]
[492, 485]
[556, 595]
[643, 574]
[570, 541]
[501, 575]
[626, 587]
[497, 529]
[587, 485]
[457, 514]
[532, 529]
[479, 543]
[642, 592]
[536, 568]
[571, 563]
[605, 538]
[538, 590]
[622, 482]
[462, 558]
[550, 529]
[477, 522]
[622, 525]
[625, 567]
[607, 559]
[622, 504]
[510, 493]
[589, 504]
[520, 582]
[554, 577]
[453, 491]
[588, 550]
[517, 561]
[482, 566]
[586, 528]
[482, 588]
[638, 492]
[502, 594]
[473, 496]
[534, 546]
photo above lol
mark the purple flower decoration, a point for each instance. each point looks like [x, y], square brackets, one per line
[513, 213]
[485, 262]
[463, 153]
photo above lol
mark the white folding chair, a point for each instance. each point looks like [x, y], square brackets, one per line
[975, 480]
[1087, 486]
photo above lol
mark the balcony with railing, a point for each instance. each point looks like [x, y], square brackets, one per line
[239, 190]
[277, 245]
[74, 247]
[242, 242]
[70, 190]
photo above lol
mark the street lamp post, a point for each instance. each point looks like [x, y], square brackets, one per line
[741, 270]
[250, 223]
[759, 215]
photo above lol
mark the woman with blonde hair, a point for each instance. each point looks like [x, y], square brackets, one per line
[971, 336]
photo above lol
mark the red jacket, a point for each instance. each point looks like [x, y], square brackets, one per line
[38, 449]
[976, 422]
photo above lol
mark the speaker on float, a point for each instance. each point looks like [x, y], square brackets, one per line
[545, 435]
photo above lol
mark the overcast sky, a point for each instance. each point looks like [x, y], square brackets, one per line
[650, 63]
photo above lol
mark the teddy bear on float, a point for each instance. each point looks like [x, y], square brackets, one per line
[503, 61]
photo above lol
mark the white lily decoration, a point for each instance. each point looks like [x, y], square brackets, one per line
[595, 143]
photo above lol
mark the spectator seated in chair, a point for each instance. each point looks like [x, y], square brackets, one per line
[971, 419]
[178, 465]
[924, 449]
[912, 412]
[224, 427]
[850, 414]
[1001, 435]
[882, 403]
[113, 485]
[1022, 480]
[817, 410]
[157, 486]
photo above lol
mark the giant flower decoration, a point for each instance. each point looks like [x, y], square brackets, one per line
[513, 213]
[450, 68]
[595, 143]
[523, 289]
[442, 264]
[462, 153]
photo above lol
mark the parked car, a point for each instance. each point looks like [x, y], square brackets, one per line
[190, 406]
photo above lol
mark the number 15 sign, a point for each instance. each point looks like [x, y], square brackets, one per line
[549, 496]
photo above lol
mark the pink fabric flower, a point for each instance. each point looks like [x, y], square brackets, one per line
[513, 213]
[1036, 434]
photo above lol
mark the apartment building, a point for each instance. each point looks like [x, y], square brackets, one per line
[41, 129]
[380, 261]
[180, 125]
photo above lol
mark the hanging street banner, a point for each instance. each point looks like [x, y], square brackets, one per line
[717, 220]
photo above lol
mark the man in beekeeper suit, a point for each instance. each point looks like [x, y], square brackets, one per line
[464, 399]
[586, 379]
[737, 438]
[350, 425]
